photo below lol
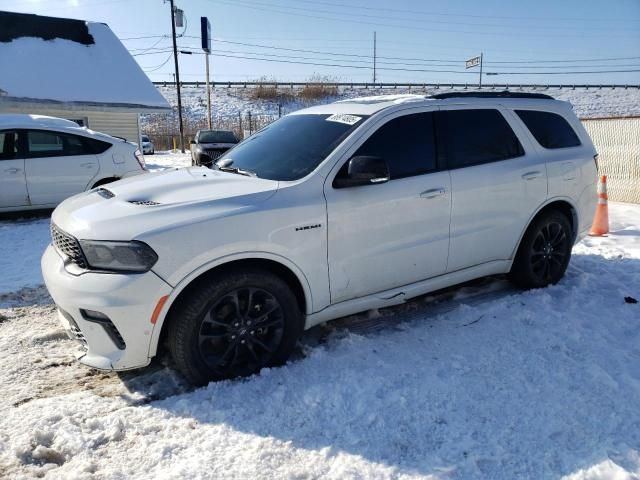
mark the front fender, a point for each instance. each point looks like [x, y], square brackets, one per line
[180, 286]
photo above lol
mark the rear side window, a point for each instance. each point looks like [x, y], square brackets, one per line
[8, 145]
[549, 129]
[96, 146]
[42, 143]
[474, 137]
[406, 143]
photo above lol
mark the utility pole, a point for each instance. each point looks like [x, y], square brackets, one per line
[374, 57]
[175, 59]
[480, 80]
[206, 55]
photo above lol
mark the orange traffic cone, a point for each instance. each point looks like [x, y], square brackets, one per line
[600, 224]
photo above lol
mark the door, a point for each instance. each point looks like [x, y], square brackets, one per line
[497, 181]
[58, 165]
[13, 186]
[382, 236]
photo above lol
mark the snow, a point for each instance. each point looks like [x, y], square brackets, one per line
[479, 381]
[103, 72]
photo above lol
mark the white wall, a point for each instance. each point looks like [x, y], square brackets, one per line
[120, 124]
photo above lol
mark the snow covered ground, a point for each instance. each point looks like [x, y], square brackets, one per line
[479, 381]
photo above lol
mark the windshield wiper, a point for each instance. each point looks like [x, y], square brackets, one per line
[225, 166]
[239, 171]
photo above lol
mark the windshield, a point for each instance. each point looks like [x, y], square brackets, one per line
[145, 138]
[217, 136]
[292, 147]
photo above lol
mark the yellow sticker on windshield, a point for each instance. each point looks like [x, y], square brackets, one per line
[344, 118]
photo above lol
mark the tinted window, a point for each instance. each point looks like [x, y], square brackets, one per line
[479, 136]
[292, 147]
[8, 145]
[217, 136]
[96, 146]
[41, 143]
[549, 129]
[406, 143]
[144, 138]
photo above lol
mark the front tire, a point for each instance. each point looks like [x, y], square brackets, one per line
[233, 325]
[544, 253]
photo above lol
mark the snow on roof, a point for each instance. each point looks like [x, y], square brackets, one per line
[88, 68]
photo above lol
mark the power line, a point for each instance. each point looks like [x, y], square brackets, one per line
[153, 69]
[438, 14]
[256, 5]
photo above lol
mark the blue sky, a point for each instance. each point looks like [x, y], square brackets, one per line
[415, 38]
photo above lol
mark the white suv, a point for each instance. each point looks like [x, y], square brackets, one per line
[328, 211]
[44, 160]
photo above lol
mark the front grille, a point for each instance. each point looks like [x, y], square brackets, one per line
[68, 246]
[215, 154]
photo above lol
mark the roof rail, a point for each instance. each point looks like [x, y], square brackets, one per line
[503, 94]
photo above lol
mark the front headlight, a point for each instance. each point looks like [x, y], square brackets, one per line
[114, 256]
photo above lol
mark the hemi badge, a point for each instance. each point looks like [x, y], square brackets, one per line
[308, 227]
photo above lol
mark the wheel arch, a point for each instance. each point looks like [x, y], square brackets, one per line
[562, 204]
[288, 271]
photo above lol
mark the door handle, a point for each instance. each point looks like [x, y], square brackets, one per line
[12, 170]
[87, 164]
[532, 175]
[433, 193]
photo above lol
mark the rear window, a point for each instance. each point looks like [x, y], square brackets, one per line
[549, 129]
[144, 138]
[217, 136]
[478, 136]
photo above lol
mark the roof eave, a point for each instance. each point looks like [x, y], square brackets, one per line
[83, 105]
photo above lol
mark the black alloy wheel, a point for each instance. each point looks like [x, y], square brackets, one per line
[241, 331]
[544, 253]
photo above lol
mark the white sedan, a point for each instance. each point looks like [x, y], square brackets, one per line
[44, 160]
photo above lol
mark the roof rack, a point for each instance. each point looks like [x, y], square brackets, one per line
[503, 94]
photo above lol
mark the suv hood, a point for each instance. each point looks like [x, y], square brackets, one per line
[126, 209]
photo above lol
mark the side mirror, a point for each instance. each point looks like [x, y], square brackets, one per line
[363, 170]
[192, 142]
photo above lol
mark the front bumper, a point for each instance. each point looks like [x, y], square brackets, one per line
[128, 300]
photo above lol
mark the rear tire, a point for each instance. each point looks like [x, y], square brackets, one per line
[233, 325]
[544, 253]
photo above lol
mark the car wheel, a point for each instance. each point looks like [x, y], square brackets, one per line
[545, 251]
[233, 325]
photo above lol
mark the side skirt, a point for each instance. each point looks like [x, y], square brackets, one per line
[400, 295]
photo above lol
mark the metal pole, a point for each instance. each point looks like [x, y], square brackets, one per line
[480, 80]
[175, 60]
[208, 93]
[374, 57]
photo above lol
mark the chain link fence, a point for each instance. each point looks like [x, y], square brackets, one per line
[162, 131]
[617, 141]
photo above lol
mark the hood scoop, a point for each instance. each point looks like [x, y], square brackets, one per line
[147, 203]
[105, 193]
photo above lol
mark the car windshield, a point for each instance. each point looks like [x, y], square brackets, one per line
[145, 138]
[217, 136]
[292, 147]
